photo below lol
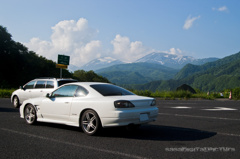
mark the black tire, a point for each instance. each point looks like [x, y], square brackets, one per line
[30, 115]
[90, 122]
[16, 103]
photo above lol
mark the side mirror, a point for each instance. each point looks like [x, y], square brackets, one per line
[21, 87]
[48, 95]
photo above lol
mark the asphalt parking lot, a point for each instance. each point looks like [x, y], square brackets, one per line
[184, 129]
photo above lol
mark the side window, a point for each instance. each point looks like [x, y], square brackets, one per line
[65, 91]
[50, 84]
[81, 92]
[30, 85]
[40, 84]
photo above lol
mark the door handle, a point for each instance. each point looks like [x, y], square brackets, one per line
[66, 102]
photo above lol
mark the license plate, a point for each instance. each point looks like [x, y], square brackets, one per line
[144, 117]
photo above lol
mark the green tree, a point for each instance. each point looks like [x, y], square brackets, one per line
[88, 76]
[18, 65]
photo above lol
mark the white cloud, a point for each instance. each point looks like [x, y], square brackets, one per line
[224, 8]
[86, 53]
[221, 9]
[72, 38]
[76, 39]
[189, 22]
[127, 51]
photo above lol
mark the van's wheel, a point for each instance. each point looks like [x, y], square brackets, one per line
[16, 102]
[30, 115]
[90, 122]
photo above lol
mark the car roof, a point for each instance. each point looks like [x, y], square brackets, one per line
[86, 83]
[52, 78]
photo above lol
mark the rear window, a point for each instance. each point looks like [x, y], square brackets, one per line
[110, 90]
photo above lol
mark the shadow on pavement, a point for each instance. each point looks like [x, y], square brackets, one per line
[9, 110]
[145, 132]
[158, 133]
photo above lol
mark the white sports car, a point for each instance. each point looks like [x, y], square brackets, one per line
[91, 105]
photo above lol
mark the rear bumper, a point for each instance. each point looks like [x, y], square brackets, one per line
[127, 117]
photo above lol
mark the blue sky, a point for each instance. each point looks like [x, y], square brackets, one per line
[124, 29]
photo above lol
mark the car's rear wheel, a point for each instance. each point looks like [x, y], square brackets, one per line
[90, 122]
[30, 115]
[16, 102]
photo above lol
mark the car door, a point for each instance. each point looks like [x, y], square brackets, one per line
[39, 88]
[26, 92]
[57, 106]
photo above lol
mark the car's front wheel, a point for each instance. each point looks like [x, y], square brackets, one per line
[30, 115]
[90, 122]
[16, 102]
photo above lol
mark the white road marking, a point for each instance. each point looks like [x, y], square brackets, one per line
[74, 144]
[219, 109]
[213, 109]
[226, 134]
[169, 103]
[191, 116]
[181, 107]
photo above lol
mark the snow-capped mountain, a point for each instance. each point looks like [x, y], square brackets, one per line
[100, 63]
[173, 60]
[169, 60]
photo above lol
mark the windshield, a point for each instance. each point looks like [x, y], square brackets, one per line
[110, 90]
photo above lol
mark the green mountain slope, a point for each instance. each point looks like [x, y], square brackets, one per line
[220, 64]
[217, 78]
[137, 73]
[214, 76]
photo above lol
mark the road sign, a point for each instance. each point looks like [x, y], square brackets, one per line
[61, 66]
[63, 59]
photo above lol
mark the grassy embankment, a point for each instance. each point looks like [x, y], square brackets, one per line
[6, 93]
[188, 95]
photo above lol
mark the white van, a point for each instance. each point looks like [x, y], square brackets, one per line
[37, 88]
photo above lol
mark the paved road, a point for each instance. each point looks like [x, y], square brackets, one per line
[184, 129]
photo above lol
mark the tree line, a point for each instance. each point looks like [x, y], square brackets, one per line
[18, 65]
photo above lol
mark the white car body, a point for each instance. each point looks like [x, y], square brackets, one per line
[68, 110]
[47, 86]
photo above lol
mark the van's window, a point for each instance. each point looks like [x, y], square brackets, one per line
[40, 84]
[30, 85]
[50, 84]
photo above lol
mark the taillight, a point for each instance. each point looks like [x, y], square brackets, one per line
[123, 104]
[154, 102]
